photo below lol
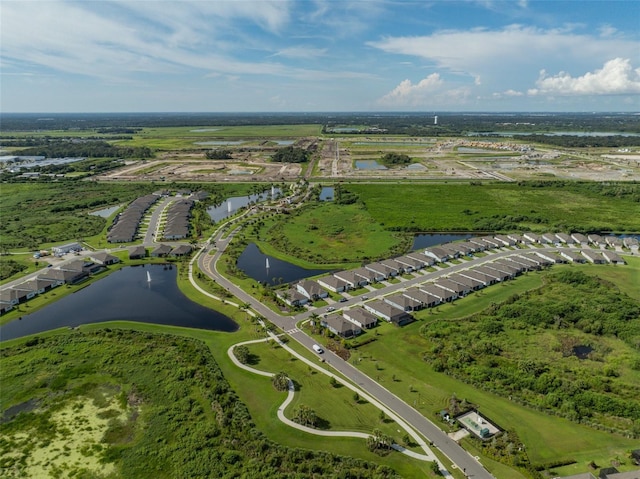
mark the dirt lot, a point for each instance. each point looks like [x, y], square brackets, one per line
[349, 158]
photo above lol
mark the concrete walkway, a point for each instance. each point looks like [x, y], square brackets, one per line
[429, 456]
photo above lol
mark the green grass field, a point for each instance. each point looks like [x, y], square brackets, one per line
[180, 138]
[492, 207]
[330, 233]
[548, 438]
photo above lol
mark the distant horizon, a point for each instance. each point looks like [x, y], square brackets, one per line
[320, 113]
[250, 56]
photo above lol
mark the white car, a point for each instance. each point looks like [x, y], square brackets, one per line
[317, 349]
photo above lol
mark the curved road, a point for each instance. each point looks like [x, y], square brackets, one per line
[456, 454]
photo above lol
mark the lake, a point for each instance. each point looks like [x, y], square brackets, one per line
[254, 263]
[123, 295]
[369, 165]
[433, 239]
[233, 204]
[327, 193]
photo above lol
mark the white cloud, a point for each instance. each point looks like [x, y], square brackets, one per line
[509, 57]
[616, 77]
[430, 91]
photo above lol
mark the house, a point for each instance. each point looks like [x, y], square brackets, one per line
[469, 283]
[613, 241]
[596, 239]
[403, 302]
[497, 276]
[465, 248]
[394, 267]
[361, 317]
[408, 264]
[181, 250]
[10, 296]
[340, 326]
[564, 238]
[460, 289]
[426, 300]
[292, 297]
[5, 306]
[479, 244]
[549, 256]
[491, 241]
[508, 266]
[104, 258]
[606, 471]
[523, 264]
[446, 294]
[439, 254]
[311, 289]
[61, 276]
[507, 271]
[630, 242]
[505, 240]
[161, 251]
[517, 238]
[39, 285]
[333, 284]
[579, 239]
[548, 238]
[572, 256]
[353, 280]
[388, 313]
[421, 258]
[612, 257]
[624, 475]
[380, 271]
[24, 293]
[442, 294]
[137, 252]
[540, 260]
[531, 237]
[452, 250]
[476, 275]
[367, 274]
[593, 256]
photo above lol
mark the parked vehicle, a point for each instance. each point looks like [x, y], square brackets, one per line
[317, 349]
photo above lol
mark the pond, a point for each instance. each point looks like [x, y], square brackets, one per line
[327, 193]
[125, 294]
[369, 165]
[233, 204]
[270, 270]
[105, 212]
[582, 351]
[432, 239]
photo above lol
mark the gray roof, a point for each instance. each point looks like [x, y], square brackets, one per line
[361, 315]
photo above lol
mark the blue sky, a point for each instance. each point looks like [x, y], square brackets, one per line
[319, 55]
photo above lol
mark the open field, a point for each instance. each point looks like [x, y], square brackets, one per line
[548, 438]
[502, 207]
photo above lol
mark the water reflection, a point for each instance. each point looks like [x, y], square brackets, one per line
[125, 294]
[433, 239]
[231, 205]
[254, 263]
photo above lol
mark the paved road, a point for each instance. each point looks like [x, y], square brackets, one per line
[450, 448]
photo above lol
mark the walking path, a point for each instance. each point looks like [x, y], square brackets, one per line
[428, 456]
